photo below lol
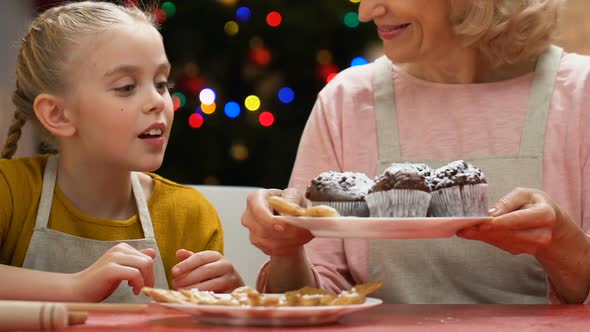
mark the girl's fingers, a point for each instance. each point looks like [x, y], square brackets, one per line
[203, 273]
[194, 261]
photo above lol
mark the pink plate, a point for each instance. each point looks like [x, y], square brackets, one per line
[383, 228]
[270, 316]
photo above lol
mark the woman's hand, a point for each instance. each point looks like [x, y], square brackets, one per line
[121, 262]
[528, 221]
[205, 270]
[524, 222]
[274, 238]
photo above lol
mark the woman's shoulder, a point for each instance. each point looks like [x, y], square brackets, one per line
[352, 80]
[574, 65]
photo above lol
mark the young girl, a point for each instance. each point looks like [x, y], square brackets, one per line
[93, 77]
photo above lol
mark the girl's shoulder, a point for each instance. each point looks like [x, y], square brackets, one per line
[166, 190]
[22, 170]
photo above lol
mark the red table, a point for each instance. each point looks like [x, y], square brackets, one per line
[386, 317]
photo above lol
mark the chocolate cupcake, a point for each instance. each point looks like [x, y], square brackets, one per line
[343, 191]
[401, 191]
[459, 189]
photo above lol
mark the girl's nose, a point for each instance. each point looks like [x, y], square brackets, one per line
[156, 101]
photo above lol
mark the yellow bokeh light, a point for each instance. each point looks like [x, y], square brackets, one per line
[239, 152]
[355, 1]
[324, 57]
[252, 103]
[229, 2]
[231, 28]
[208, 108]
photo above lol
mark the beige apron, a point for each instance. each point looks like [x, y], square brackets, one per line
[456, 270]
[54, 251]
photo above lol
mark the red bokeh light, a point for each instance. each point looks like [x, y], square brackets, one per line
[266, 119]
[260, 56]
[160, 15]
[274, 19]
[195, 120]
[330, 77]
[176, 102]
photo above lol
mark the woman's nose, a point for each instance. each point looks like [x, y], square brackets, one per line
[369, 9]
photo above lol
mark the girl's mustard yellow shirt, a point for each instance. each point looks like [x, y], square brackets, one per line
[182, 217]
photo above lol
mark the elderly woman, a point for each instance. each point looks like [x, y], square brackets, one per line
[462, 79]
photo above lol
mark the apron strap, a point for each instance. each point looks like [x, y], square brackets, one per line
[533, 136]
[387, 131]
[49, 177]
[142, 209]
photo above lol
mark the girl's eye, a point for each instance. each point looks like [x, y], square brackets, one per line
[164, 85]
[125, 89]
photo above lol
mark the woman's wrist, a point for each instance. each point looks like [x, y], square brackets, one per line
[566, 259]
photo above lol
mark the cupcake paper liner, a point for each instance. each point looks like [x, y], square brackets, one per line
[475, 200]
[446, 202]
[346, 208]
[460, 201]
[398, 203]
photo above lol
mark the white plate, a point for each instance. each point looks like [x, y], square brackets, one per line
[384, 228]
[270, 316]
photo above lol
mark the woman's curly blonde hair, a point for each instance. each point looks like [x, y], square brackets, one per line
[506, 31]
[42, 59]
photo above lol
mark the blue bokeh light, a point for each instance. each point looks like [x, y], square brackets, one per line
[243, 14]
[358, 61]
[286, 95]
[232, 109]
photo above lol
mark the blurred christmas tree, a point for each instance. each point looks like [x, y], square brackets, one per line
[246, 76]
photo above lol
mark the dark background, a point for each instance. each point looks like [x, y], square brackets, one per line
[203, 55]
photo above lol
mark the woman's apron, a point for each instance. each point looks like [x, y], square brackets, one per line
[457, 270]
[54, 251]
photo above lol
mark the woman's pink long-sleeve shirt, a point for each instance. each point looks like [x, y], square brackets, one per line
[441, 121]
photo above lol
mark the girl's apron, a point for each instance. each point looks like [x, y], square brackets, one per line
[457, 270]
[54, 251]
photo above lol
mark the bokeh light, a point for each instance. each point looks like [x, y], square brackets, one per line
[239, 152]
[207, 96]
[260, 56]
[169, 8]
[266, 119]
[351, 20]
[243, 14]
[176, 102]
[274, 19]
[252, 103]
[286, 95]
[358, 61]
[331, 77]
[208, 108]
[324, 57]
[231, 28]
[355, 1]
[232, 109]
[196, 120]
[181, 98]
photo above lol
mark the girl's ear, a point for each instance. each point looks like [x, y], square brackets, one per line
[51, 113]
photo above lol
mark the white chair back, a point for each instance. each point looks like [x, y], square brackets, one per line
[230, 203]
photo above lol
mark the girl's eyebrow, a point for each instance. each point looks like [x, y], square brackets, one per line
[130, 69]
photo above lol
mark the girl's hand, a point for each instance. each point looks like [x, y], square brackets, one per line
[272, 237]
[205, 270]
[525, 221]
[121, 262]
